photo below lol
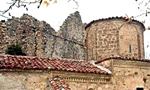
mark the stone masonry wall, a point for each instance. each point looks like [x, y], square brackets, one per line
[27, 31]
[114, 37]
[38, 38]
[129, 75]
[131, 42]
[39, 80]
[101, 40]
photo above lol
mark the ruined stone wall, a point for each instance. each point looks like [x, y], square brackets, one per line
[38, 38]
[3, 43]
[30, 33]
[129, 75]
[39, 80]
[115, 36]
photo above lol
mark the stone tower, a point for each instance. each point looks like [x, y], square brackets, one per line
[114, 36]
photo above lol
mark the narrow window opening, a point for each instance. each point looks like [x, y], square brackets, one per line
[130, 49]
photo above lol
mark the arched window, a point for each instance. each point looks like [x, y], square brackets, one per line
[128, 41]
[90, 89]
[58, 83]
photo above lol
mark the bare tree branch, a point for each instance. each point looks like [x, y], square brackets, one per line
[21, 3]
[10, 7]
[4, 16]
[40, 3]
[25, 4]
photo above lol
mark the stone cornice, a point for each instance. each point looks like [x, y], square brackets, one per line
[81, 77]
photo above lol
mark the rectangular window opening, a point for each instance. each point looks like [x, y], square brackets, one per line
[139, 88]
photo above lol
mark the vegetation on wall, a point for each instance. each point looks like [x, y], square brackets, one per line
[14, 49]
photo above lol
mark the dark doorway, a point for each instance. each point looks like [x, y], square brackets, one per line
[139, 88]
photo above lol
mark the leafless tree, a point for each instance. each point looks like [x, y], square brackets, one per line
[144, 6]
[26, 3]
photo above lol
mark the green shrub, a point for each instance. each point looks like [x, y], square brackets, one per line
[14, 49]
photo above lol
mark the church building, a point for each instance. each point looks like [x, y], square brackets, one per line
[114, 61]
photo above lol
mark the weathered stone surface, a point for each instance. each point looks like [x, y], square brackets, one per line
[30, 33]
[72, 38]
[104, 38]
[114, 36]
[73, 28]
[129, 75]
[39, 80]
[38, 38]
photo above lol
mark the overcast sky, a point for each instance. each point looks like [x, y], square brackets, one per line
[90, 10]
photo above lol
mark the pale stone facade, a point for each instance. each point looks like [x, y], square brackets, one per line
[129, 73]
[120, 39]
[114, 36]
[40, 80]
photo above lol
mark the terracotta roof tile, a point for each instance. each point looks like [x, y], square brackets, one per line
[8, 62]
[123, 58]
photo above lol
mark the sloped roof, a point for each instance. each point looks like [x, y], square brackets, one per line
[123, 58]
[8, 62]
[115, 18]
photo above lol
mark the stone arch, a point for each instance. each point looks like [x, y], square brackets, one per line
[58, 83]
[90, 41]
[90, 89]
[129, 41]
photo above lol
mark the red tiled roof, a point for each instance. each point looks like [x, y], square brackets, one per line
[123, 58]
[8, 62]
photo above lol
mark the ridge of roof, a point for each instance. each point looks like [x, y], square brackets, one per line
[101, 67]
[124, 58]
[115, 18]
